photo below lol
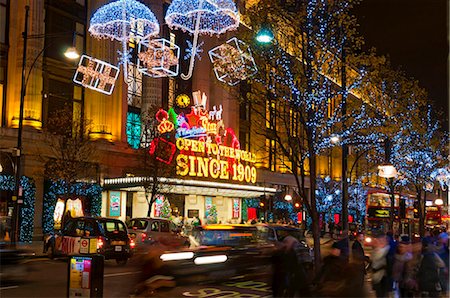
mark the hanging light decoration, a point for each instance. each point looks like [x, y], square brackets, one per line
[118, 20]
[201, 17]
[96, 75]
[233, 61]
[158, 58]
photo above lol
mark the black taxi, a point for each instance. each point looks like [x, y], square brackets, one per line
[108, 235]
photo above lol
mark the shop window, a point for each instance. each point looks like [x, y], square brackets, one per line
[133, 129]
[3, 19]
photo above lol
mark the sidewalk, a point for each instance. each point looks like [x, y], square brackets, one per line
[36, 247]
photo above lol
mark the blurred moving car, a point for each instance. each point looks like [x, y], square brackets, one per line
[275, 233]
[110, 235]
[149, 230]
[13, 263]
[216, 252]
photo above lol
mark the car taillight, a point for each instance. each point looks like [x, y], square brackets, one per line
[100, 243]
[132, 243]
[143, 237]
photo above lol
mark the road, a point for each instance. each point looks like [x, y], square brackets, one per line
[48, 278]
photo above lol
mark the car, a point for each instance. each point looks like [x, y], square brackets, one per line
[109, 234]
[275, 233]
[217, 252]
[147, 230]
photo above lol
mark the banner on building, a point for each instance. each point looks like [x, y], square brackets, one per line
[114, 203]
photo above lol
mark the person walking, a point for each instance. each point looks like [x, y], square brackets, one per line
[430, 266]
[330, 282]
[359, 258]
[443, 252]
[380, 281]
[402, 256]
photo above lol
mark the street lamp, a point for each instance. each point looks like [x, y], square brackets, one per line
[71, 53]
[439, 202]
[265, 34]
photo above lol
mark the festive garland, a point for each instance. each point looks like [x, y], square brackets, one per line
[26, 218]
[53, 190]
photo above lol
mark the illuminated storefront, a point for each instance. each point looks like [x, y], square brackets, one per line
[213, 174]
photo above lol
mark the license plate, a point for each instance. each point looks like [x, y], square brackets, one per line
[118, 248]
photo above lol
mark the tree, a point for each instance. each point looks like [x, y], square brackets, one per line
[72, 154]
[166, 211]
[154, 153]
[417, 154]
[300, 92]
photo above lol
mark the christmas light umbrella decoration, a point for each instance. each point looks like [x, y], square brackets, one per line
[201, 17]
[118, 20]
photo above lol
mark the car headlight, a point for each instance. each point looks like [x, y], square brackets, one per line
[177, 256]
[210, 259]
[368, 239]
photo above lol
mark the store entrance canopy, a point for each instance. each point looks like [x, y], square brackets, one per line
[190, 187]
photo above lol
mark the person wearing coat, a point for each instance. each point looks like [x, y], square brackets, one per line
[428, 275]
[380, 279]
[359, 258]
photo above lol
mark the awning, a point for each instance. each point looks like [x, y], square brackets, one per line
[189, 187]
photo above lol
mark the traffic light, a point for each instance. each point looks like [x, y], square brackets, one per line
[416, 208]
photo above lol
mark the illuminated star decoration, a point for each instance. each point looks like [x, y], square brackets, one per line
[201, 17]
[233, 61]
[96, 75]
[118, 19]
[189, 50]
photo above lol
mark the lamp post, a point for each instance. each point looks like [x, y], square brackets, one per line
[71, 54]
[388, 171]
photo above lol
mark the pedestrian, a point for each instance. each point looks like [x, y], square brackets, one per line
[359, 258]
[390, 258]
[196, 222]
[330, 282]
[443, 252]
[380, 281]
[331, 229]
[402, 256]
[430, 266]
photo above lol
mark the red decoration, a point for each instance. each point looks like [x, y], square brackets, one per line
[251, 213]
[161, 115]
[336, 218]
[230, 139]
[164, 150]
[192, 118]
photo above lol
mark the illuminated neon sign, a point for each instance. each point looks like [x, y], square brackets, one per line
[205, 148]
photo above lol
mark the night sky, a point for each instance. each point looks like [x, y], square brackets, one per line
[414, 34]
